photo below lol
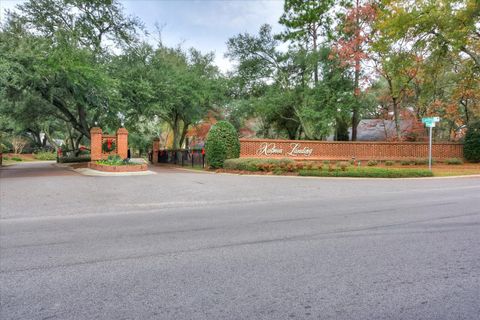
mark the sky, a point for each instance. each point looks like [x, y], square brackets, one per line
[203, 24]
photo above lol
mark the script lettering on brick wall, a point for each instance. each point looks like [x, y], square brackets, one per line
[299, 151]
[269, 149]
[346, 150]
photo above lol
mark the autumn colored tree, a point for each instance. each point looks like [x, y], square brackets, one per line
[445, 36]
[436, 25]
[352, 47]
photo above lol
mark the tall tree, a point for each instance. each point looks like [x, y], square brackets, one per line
[306, 22]
[57, 50]
[351, 47]
[175, 85]
[435, 24]
[273, 82]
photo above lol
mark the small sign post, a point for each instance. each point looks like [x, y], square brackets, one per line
[430, 123]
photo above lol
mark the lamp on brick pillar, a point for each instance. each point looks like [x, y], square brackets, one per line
[95, 144]
[155, 149]
[122, 143]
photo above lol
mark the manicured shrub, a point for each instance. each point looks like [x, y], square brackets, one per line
[253, 164]
[454, 161]
[45, 155]
[222, 143]
[372, 163]
[471, 147]
[406, 162]
[299, 165]
[389, 163]
[369, 172]
[420, 161]
[73, 159]
[244, 164]
[115, 160]
[291, 167]
[16, 159]
[343, 165]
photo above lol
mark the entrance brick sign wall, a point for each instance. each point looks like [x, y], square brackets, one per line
[346, 150]
[97, 139]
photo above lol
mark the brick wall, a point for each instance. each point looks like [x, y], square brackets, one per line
[122, 143]
[346, 150]
[95, 144]
[97, 139]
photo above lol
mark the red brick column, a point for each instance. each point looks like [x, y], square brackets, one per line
[122, 143]
[95, 144]
[155, 149]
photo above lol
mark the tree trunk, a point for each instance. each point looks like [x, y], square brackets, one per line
[465, 108]
[315, 71]
[77, 145]
[341, 130]
[69, 117]
[184, 133]
[396, 118]
[355, 111]
[396, 112]
[176, 133]
[50, 140]
[35, 136]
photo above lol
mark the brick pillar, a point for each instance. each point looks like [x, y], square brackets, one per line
[95, 144]
[122, 143]
[155, 149]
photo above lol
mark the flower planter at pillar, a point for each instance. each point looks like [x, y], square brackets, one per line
[125, 168]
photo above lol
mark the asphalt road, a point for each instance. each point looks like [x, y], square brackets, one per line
[186, 245]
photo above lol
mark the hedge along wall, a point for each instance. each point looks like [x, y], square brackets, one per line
[346, 150]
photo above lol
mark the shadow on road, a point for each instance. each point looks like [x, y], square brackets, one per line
[34, 169]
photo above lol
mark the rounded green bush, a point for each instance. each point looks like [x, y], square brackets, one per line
[471, 147]
[222, 143]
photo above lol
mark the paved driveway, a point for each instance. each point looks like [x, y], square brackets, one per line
[188, 245]
[34, 169]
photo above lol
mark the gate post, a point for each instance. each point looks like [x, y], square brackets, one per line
[155, 150]
[95, 144]
[122, 143]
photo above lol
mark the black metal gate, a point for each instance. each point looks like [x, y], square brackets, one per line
[183, 157]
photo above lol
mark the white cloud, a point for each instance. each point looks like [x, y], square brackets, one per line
[7, 5]
[237, 14]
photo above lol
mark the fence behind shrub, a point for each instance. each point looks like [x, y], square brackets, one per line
[183, 157]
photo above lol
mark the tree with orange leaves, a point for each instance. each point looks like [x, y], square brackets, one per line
[351, 48]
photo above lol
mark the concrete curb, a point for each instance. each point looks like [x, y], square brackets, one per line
[96, 173]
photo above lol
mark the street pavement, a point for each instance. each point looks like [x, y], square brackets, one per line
[192, 245]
